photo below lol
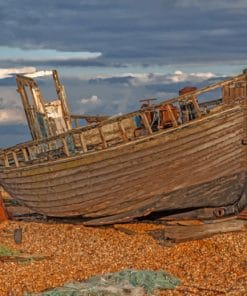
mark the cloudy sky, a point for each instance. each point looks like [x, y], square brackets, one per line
[112, 53]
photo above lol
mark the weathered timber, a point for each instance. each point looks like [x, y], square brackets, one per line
[174, 121]
[176, 234]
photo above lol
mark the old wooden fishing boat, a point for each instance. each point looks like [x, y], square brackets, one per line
[183, 154]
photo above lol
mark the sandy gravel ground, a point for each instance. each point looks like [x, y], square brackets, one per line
[214, 266]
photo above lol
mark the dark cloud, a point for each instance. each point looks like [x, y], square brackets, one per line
[145, 31]
[61, 63]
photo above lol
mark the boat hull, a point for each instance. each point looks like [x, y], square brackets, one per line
[196, 165]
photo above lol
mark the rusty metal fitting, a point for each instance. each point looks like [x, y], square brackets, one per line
[219, 212]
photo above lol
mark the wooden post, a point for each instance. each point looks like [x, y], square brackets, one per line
[83, 142]
[232, 92]
[225, 93]
[146, 123]
[122, 131]
[102, 136]
[241, 90]
[65, 147]
[27, 107]
[15, 159]
[40, 106]
[174, 121]
[197, 108]
[237, 90]
[29, 149]
[63, 99]
[6, 160]
[25, 155]
[244, 89]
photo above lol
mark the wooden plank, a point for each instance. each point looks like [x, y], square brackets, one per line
[122, 131]
[83, 142]
[196, 106]
[15, 159]
[143, 164]
[63, 98]
[194, 232]
[146, 123]
[101, 182]
[64, 103]
[174, 121]
[24, 153]
[73, 204]
[232, 92]
[245, 90]
[6, 160]
[27, 108]
[182, 144]
[104, 196]
[65, 147]
[102, 137]
[225, 93]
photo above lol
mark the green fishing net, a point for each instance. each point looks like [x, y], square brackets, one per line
[127, 282]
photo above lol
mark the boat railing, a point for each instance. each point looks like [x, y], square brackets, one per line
[110, 132]
[85, 139]
[94, 137]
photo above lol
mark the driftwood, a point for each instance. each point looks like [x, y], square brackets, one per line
[178, 234]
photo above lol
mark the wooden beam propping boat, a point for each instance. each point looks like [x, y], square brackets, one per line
[182, 154]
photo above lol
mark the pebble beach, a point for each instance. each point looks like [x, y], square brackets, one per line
[68, 252]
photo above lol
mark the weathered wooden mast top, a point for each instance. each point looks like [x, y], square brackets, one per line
[45, 119]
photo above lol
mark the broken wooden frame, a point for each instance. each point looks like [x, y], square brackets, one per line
[105, 132]
[45, 119]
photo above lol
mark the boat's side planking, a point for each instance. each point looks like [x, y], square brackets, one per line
[201, 164]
